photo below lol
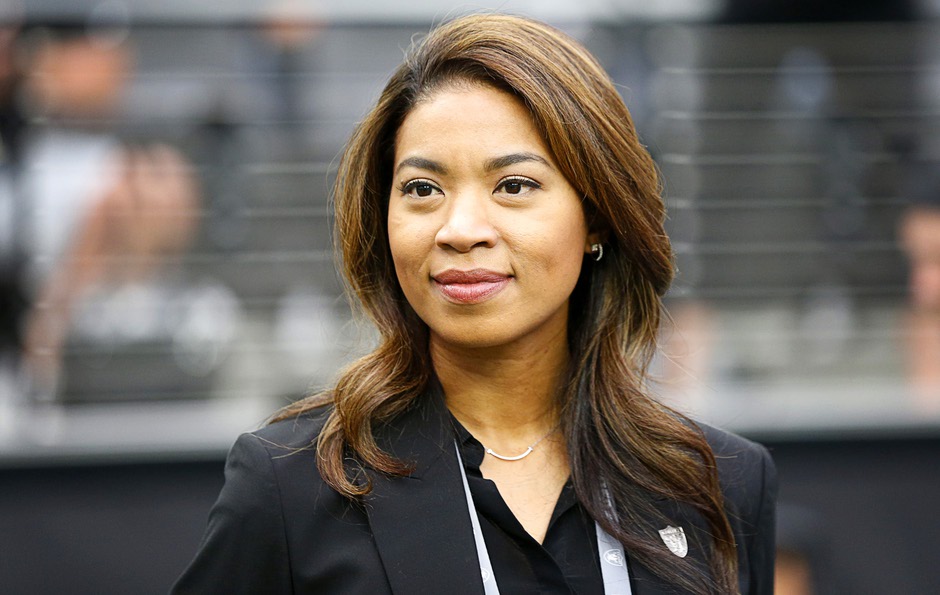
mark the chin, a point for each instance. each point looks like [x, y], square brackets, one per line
[472, 334]
[469, 340]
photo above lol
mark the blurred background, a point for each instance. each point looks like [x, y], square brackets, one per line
[167, 279]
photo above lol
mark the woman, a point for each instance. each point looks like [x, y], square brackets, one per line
[501, 225]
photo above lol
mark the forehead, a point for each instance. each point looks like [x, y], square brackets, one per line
[468, 117]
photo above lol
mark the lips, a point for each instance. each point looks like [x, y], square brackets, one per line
[470, 287]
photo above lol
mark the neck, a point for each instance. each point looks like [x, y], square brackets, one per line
[505, 397]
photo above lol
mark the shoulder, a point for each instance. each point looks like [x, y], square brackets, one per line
[282, 454]
[745, 468]
[748, 481]
[297, 432]
[255, 463]
[268, 507]
[278, 465]
[725, 442]
[739, 460]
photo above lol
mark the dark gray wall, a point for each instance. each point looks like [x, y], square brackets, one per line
[130, 529]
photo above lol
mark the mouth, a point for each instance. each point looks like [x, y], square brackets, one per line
[470, 287]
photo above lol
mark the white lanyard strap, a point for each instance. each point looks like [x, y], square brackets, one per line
[486, 567]
[613, 562]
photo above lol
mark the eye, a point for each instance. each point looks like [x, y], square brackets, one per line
[420, 188]
[517, 185]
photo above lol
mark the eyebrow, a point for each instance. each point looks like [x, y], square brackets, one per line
[512, 159]
[422, 163]
[490, 165]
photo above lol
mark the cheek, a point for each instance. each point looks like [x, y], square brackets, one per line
[574, 241]
[409, 246]
[569, 233]
[561, 247]
[398, 243]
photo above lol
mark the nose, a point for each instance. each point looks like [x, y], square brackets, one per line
[467, 224]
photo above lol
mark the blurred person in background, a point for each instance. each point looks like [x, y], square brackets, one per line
[93, 214]
[13, 299]
[803, 565]
[920, 240]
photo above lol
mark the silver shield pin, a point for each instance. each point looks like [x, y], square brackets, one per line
[674, 538]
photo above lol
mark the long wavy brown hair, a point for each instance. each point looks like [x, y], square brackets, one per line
[617, 435]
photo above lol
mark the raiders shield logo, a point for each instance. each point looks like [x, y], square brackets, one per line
[674, 538]
[614, 557]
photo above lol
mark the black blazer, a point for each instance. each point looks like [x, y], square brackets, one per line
[277, 528]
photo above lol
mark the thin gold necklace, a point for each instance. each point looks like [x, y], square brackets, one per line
[528, 450]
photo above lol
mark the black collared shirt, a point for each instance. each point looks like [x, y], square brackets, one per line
[565, 563]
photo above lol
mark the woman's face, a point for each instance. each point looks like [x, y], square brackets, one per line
[486, 234]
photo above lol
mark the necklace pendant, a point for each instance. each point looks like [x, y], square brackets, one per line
[527, 452]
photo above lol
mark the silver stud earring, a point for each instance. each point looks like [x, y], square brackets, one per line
[597, 251]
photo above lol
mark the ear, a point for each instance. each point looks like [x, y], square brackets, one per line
[596, 237]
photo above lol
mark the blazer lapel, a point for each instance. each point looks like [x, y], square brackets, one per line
[421, 523]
